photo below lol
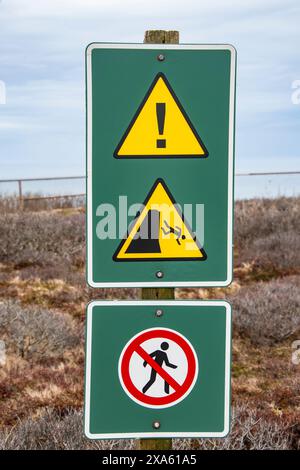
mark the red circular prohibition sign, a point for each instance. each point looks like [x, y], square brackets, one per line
[135, 346]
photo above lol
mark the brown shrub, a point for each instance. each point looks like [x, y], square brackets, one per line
[35, 332]
[267, 231]
[281, 250]
[43, 239]
[268, 312]
[259, 218]
[249, 431]
[53, 431]
[64, 431]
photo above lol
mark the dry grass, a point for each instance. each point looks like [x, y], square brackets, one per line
[42, 288]
[55, 430]
[11, 204]
[27, 387]
[68, 296]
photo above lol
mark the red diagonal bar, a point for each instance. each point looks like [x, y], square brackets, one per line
[172, 382]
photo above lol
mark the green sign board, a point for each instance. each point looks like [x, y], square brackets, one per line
[160, 145]
[157, 369]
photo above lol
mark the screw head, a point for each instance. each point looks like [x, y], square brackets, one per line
[156, 424]
[160, 57]
[159, 312]
[159, 274]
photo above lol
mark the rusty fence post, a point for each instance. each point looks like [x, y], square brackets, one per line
[21, 201]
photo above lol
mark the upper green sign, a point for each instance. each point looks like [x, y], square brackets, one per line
[160, 144]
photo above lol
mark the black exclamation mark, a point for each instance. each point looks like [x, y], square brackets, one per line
[161, 114]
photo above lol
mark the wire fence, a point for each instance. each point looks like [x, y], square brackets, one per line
[25, 197]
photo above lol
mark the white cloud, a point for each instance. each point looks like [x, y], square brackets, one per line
[17, 125]
[59, 8]
[48, 94]
[42, 60]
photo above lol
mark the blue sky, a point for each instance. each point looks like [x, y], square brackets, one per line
[42, 43]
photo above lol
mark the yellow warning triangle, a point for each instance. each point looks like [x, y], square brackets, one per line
[159, 231]
[160, 127]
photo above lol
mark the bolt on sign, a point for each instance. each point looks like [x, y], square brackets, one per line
[160, 144]
[163, 372]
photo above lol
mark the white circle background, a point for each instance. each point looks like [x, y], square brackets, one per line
[140, 374]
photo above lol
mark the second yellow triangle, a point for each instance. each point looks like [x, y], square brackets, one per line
[159, 232]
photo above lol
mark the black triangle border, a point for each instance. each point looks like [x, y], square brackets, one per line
[204, 257]
[157, 77]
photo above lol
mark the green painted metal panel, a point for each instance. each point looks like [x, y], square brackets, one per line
[110, 412]
[203, 78]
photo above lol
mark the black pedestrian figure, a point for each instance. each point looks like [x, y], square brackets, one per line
[159, 357]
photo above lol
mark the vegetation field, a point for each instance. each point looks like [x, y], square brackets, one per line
[43, 295]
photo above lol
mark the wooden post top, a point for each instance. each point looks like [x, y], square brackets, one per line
[160, 36]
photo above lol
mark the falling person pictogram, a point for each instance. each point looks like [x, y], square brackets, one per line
[175, 230]
[160, 357]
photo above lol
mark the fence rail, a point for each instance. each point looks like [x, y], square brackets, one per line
[23, 198]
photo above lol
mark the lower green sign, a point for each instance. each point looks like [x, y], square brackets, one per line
[157, 369]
